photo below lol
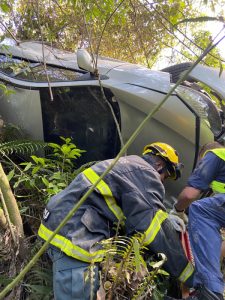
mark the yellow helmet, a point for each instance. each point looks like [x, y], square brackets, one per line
[169, 155]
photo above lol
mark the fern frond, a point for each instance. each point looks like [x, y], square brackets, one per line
[21, 147]
[125, 274]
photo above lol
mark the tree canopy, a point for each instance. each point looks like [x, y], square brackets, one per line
[132, 30]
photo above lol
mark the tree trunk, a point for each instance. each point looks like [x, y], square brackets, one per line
[10, 201]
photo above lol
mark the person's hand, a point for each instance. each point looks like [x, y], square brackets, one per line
[180, 214]
[177, 223]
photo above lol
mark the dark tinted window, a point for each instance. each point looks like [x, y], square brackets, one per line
[83, 114]
[25, 70]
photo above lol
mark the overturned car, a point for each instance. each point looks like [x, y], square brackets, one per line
[56, 95]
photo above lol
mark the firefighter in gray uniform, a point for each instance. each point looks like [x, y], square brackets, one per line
[132, 192]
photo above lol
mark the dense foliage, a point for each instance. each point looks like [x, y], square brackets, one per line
[134, 30]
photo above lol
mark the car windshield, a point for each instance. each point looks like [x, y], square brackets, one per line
[36, 72]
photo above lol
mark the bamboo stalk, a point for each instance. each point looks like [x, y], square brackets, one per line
[10, 202]
[7, 216]
[3, 221]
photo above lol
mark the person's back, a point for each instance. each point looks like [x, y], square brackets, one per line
[128, 194]
[131, 193]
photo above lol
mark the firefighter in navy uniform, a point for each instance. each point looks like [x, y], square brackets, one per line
[132, 192]
[206, 219]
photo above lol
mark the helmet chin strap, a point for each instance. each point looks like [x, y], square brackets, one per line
[162, 170]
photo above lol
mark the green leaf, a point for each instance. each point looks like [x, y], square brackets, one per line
[9, 92]
[66, 140]
[5, 7]
[28, 166]
[56, 175]
[38, 160]
[65, 149]
[74, 153]
[45, 181]
[2, 87]
[137, 260]
[35, 170]
[55, 146]
[62, 185]
[163, 272]
[35, 158]
[10, 174]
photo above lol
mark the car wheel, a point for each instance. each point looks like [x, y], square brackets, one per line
[176, 70]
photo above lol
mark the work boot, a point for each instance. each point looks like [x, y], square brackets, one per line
[201, 293]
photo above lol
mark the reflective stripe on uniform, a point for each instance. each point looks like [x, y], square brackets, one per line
[220, 152]
[105, 191]
[155, 226]
[218, 187]
[69, 248]
[187, 272]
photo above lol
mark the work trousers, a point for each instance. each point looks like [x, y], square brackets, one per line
[206, 218]
[71, 277]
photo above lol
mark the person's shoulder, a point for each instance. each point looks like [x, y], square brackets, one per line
[134, 160]
[134, 163]
[213, 156]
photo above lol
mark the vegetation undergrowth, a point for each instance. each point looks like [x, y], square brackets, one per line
[33, 183]
[128, 273]
[125, 272]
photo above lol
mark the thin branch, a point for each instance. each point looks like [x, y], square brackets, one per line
[112, 111]
[9, 31]
[43, 53]
[57, 3]
[103, 30]
[140, 38]
[100, 84]
[174, 49]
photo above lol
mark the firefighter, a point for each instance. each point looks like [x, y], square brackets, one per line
[131, 193]
[206, 218]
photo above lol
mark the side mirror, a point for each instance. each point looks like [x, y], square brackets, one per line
[85, 61]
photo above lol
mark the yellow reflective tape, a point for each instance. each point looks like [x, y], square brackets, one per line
[187, 272]
[105, 191]
[69, 248]
[218, 187]
[220, 152]
[155, 226]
